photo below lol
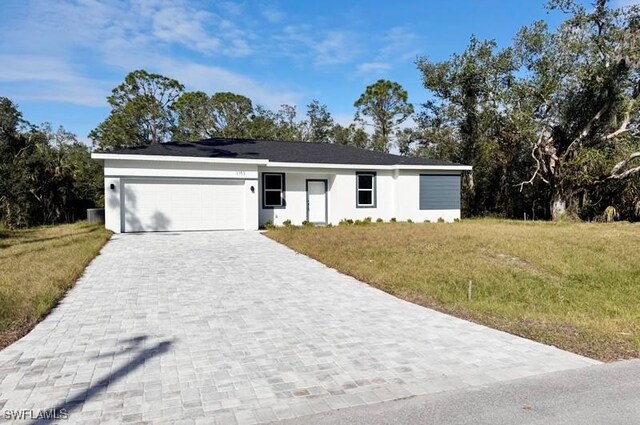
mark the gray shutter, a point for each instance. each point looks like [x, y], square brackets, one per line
[440, 191]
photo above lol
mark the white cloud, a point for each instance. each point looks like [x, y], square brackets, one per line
[211, 79]
[397, 45]
[273, 15]
[32, 77]
[374, 67]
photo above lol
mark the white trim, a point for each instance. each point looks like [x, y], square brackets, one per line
[171, 158]
[368, 167]
[267, 163]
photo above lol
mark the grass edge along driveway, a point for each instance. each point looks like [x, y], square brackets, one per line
[37, 267]
[572, 285]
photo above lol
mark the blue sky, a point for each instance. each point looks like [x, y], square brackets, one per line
[60, 59]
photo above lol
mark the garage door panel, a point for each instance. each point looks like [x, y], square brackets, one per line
[174, 205]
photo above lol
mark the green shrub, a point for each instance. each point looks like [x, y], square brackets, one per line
[329, 225]
[379, 220]
[456, 220]
[307, 223]
[358, 223]
[269, 225]
[345, 222]
[367, 220]
[440, 220]
[393, 220]
[286, 223]
[409, 220]
[427, 221]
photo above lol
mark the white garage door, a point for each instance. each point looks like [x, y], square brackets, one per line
[174, 205]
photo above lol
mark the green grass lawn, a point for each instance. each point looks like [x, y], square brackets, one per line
[573, 285]
[37, 266]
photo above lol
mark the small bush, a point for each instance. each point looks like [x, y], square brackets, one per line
[427, 221]
[307, 223]
[440, 220]
[393, 220]
[286, 223]
[345, 222]
[610, 214]
[409, 220]
[269, 225]
[367, 220]
[379, 220]
[329, 225]
[358, 223]
[456, 220]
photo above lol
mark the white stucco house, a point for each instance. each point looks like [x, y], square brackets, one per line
[224, 184]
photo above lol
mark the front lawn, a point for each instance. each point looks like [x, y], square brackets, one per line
[37, 266]
[572, 285]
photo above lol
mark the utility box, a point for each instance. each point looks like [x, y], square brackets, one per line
[95, 215]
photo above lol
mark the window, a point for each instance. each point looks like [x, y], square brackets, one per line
[366, 190]
[273, 190]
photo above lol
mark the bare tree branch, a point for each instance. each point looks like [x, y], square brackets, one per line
[538, 166]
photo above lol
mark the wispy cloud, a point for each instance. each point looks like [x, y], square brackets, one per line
[305, 43]
[396, 45]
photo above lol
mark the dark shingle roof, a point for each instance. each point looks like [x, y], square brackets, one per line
[316, 153]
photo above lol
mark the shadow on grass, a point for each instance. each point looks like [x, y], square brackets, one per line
[23, 240]
[75, 403]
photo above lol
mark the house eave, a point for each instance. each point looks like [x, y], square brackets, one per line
[101, 156]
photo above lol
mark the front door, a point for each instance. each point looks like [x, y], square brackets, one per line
[317, 201]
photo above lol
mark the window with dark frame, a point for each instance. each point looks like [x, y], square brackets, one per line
[366, 190]
[273, 190]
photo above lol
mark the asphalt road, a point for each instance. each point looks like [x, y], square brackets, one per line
[603, 394]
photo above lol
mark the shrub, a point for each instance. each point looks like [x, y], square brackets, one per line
[286, 223]
[456, 220]
[307, 223]
[409, 220]
[610, 214]
[358, 223]
[329, 225]
[379, 220]
[393, 220]
[427, 221]
[345, 222]
[440, 220]
[269, 225]
[367, 219]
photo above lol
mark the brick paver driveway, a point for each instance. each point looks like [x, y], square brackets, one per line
[230, 327]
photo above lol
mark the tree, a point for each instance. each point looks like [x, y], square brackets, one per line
[386, 104]
[194, 118]
[474, 119]
[46, 176]
[352, 135]
[231, 113]
[585, 79]
[141, 111]
[319, 122]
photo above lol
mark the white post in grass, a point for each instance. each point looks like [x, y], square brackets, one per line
[469, 287]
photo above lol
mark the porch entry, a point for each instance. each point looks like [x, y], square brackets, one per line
[317, 201]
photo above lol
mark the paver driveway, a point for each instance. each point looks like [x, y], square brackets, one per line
[232, 327]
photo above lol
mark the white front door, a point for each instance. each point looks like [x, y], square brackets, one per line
[317, 201]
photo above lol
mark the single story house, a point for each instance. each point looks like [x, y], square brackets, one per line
[224, 184]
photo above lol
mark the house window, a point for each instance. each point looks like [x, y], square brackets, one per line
[366, 190]
[273, 190]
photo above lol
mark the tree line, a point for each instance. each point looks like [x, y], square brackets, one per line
[46, 176]
[549, 123]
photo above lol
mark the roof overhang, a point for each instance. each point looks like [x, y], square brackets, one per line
[175, 158]
[265, 162]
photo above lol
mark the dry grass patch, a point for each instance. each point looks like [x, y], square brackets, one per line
[573, 285]
[37, 266]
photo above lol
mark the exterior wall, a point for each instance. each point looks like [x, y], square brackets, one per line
[341, 196]
[117, 171]
[408, 199]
